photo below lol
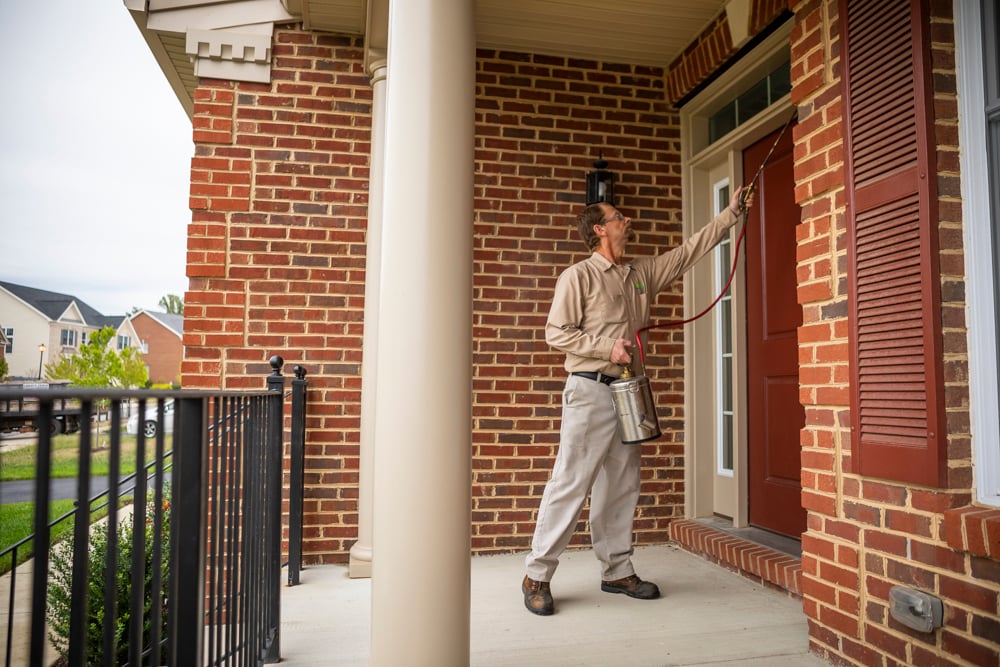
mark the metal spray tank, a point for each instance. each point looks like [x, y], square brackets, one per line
[632, 398]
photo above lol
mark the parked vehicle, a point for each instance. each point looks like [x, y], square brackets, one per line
[20, 415]
[149, 420]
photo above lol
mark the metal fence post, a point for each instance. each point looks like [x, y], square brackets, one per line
[187, 528]
[275, 455]
[81, 529]
[296, 473]
[40, 574]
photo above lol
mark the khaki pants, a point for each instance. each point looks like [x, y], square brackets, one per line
[591, 458]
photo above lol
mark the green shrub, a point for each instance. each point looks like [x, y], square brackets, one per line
[61, 578]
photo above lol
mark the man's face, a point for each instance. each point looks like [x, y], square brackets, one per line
[618, 227]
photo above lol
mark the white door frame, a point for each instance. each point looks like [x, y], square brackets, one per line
[706, 492]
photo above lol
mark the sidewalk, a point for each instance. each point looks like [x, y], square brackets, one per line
[21, 620]
[707, 616]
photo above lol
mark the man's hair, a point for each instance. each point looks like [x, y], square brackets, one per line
[592, 215]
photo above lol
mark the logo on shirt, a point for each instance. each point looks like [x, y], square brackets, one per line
[640, 287]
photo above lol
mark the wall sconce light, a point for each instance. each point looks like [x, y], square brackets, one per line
[600, 183]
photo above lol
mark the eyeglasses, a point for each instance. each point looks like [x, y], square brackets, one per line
[616, 216]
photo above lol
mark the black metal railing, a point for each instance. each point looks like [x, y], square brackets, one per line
[296, 475]
[193, 577]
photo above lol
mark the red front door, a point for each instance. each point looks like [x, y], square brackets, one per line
[775, 415]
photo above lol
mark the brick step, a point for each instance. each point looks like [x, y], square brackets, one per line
[769, 567]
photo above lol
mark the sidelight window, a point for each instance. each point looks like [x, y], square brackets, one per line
[724, 343]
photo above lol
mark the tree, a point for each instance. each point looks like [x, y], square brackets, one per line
[97, 364]
[172, 304]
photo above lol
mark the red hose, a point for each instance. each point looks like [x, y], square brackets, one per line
[732, 272]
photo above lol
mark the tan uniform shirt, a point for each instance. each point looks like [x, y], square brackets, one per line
[597, 302]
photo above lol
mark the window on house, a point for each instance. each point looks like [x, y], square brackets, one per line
[123, 342]
[9, 332]
[750, 102]
[977, 38]
[991, 69]
[67, 338]
[989, 487]
[723, 344]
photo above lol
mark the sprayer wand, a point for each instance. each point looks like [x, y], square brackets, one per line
[744, 197]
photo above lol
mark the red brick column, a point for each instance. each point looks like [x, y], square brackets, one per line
[276, 252]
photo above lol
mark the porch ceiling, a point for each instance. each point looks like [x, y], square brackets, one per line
[643, 32]
[646, 32]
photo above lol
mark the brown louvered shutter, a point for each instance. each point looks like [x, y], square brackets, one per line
[897, 392]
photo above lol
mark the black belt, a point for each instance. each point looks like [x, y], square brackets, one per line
[598, 377]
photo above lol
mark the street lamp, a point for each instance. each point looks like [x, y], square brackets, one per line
[41, 354]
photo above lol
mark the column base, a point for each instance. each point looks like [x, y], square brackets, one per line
[361, 562]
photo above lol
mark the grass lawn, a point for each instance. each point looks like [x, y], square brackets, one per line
[16, 523]
[20, 463]
[16, 519]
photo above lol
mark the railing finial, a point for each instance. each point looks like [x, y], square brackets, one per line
[300, 372]
[276, 364]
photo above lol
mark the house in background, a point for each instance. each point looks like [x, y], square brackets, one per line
[162, 344]
[42, 326]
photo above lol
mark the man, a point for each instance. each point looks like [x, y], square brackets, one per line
[598, 306]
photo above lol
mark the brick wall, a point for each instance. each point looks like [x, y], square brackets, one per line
[540, 124]
[713, 48]
[276, 261]
[276, 253]
[866, 535]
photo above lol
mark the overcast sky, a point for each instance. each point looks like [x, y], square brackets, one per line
[95, 153]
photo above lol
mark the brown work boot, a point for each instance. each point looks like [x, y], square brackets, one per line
[537, 597]
[632, 586]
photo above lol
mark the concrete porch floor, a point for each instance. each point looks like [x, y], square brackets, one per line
[708, 615]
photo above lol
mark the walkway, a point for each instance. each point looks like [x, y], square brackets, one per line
[708, 616]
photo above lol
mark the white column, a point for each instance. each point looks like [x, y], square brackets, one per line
[361, 552]
[421, 542]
